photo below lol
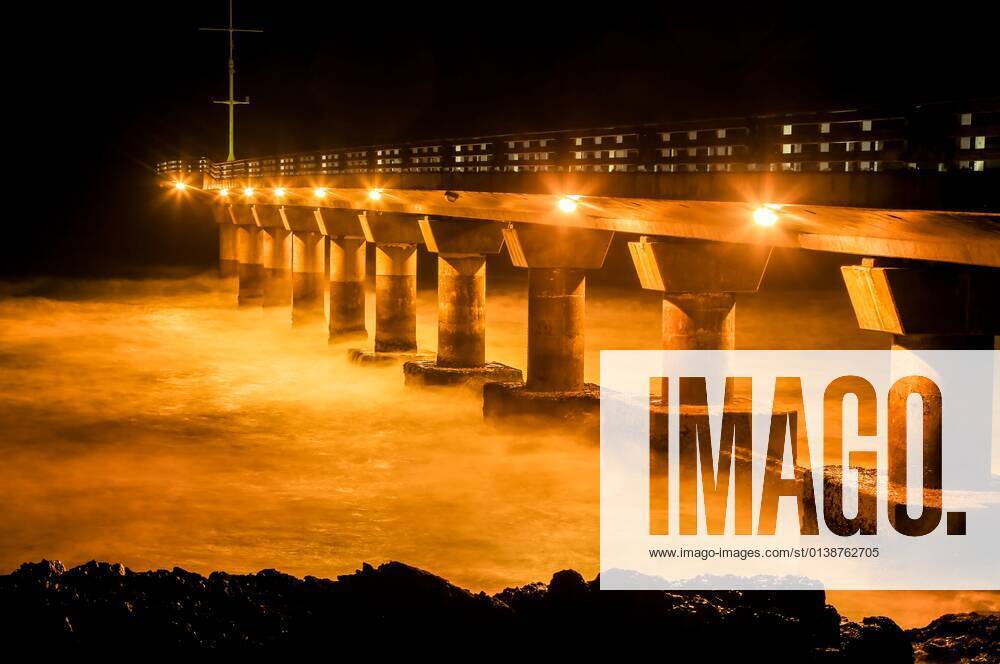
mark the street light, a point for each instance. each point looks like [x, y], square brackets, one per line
[375, 194]
[319, 192]
[765, 216]
[567, 204]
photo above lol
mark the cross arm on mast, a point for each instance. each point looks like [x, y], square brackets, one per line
[229, 30]
[231, 102]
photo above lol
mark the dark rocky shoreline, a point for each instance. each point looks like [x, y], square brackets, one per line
[397, 607]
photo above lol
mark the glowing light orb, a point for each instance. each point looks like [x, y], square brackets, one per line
[319, 192]
[567, 204]
[248, 192]
[375, 194]
[765, 216]
[180, 186]
[224, 193]
[279, 192]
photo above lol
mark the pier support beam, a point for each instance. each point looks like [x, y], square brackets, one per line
[346, 269]
[461, 356]
[275, 255]
[308, 277]
[557, 258]
[699, 281]
[347, 288]
[556, 318]
[395, 298]
[461, 311]
[228, 262]
[276, 249]
[925, 307]
[249, 269]
[396, 238]
[699, 321]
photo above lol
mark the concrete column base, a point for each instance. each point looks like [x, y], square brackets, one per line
[428, 373]
[356, 335]
[512, 401]
[369, 356]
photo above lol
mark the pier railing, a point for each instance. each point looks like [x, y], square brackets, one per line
[930, 137]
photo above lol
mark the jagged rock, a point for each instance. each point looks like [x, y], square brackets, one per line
[875, 638]
[958, 637]
[43, 569]
[568, 584]
[98, 570]
[395, 589]
[106, 606]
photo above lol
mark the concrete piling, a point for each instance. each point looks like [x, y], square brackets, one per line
[395, 298]
[557, 259]
[249, 268]
[228, 261]
[699, 321]
[308, 277]
[461, 311]
[461, 247]
[556, 314]
[276, 260]
[347, 288]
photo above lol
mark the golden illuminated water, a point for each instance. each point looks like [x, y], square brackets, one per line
[154, 424]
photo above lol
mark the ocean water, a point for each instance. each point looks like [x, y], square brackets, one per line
[151, 422]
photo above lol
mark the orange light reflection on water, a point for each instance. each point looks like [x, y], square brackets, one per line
[153, 424]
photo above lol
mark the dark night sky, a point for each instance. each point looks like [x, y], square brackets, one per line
[102, 95]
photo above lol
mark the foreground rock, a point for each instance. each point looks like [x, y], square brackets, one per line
[963, 637]
[394, 606]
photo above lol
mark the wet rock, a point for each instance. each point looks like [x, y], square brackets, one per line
[875, 639]
[568, 586]
[106, 606]
[694, 624]
[962, 637]
[95, 569]
[43, 569]
[395, 591]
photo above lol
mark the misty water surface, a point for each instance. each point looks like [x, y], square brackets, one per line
[153, 423]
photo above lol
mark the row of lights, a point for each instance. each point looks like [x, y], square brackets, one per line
[279, 192]
[566, 203]
[765, 215]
